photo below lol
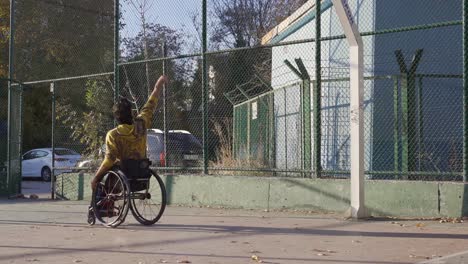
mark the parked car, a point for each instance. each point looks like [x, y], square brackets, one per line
[183, 149]
[38, 162]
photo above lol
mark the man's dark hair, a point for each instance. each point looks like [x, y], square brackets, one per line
[123, 112]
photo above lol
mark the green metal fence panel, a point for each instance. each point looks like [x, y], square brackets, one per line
[14, 176]
[3, 137]
[233, 92]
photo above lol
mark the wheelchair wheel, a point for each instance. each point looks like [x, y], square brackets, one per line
[148, 205]
[110, 200]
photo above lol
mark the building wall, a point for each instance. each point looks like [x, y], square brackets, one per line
[441, 97]
[335, 95]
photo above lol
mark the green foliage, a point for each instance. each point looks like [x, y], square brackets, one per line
[54, 38]
[89, 125]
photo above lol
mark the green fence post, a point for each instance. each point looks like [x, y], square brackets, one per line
[10, 77]
[116, 51]
[318, 89]
[408, 105]
[205, 88]
[52, 179]
[164, 54]
[465, 90]
[396, 131]
[420, 122]
[305, 109]
[20, 140]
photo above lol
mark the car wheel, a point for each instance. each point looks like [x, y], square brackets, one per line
[46, 174]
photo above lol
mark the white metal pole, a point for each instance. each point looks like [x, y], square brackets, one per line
[356, 58]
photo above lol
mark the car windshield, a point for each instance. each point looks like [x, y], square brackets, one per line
[184, 139]
[62, 152]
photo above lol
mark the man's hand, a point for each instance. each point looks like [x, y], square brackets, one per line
[161, 81]
[158, 87]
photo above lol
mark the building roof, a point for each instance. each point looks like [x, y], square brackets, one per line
[294, 22]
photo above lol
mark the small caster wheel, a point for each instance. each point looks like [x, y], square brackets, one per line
[91, 216]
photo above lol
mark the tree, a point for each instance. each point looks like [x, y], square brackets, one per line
[136, 75]
[238, 24]
[4, 37]
[55, 39]
[88, 126]
[142, 7]
[243, 23]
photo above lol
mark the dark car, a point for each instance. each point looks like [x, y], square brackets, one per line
[182, 149]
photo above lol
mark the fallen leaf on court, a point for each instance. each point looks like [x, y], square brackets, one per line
[233, 241]
[32, 260]
[256, 258]
[420, 225]
[77, 261]
[454, 220]
[183, 261]
[416, 256]
[255, 251]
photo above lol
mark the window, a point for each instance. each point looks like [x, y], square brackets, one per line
[40, 154]
[62, 152]
[29, 155]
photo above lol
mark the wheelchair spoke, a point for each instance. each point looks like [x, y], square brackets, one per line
[113, 188]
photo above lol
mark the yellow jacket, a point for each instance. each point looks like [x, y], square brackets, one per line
[123, 142]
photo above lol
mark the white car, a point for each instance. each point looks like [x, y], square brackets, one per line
[38, 162]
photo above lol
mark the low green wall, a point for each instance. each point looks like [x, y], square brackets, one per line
[383, 198]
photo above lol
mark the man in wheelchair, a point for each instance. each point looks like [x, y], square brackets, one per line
[126, 144]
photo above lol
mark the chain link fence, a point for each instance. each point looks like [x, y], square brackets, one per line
[263, 100]
[3, 136]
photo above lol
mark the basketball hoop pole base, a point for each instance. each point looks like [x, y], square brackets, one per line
[356, 57]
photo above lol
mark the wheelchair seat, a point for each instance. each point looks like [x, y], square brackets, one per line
[137, 172]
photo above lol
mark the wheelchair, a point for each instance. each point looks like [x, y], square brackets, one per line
[131, 186]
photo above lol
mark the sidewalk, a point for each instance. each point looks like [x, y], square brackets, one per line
[42, 231]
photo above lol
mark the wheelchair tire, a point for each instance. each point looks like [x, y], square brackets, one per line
[111, 200]
[148, 205]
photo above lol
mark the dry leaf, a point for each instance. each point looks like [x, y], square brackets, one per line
[183, 261]
[420, 225]
[255, 257]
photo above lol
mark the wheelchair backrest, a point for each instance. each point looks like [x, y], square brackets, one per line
[136, 169]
